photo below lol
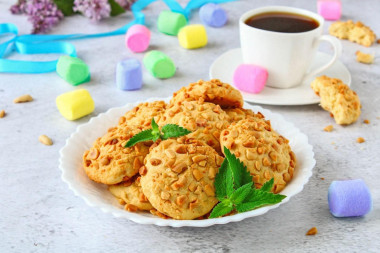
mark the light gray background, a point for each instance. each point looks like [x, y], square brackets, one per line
[38, 213]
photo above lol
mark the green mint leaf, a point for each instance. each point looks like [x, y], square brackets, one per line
[154, 126]
[172, 130]
[240, 173]
[66, 6]
[221, 209]
[220, 182]
[268, 185]
[145, 135]
[241, 193]
[257, 198]
[116, 9]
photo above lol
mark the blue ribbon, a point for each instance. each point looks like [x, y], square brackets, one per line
[45, 44]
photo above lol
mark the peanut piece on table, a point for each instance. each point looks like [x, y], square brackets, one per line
[312, 231]
[45, 140]
[23, 99]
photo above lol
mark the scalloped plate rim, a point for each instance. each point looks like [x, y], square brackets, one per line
[135, 217]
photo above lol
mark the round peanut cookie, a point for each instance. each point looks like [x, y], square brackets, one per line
[108, 162]
[237, 114]
[142, 114]
[213, 91]
[205, 120]
[180, 178]
[130, 192]
[265, 153]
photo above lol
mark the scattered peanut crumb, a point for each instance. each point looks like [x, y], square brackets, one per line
[23, 99]
[360, 140]
[366, 121]
[2, 114]
[312, 231]
[329, 128]
[378, 41]
[364, 58]
[131, 208]
[333, 143]
[322, 178]
[45, 140]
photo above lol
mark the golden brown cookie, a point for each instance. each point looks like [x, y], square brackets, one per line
[130, 192]
[237, 114]
[180, 178]
[142, 114]
[364, 58]
[337, 98]
[205, 120]
[265, 153]
[355, 32]
[213, 91]
[108, 162]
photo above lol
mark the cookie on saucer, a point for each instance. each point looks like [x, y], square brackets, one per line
[213, 91]
[179, 181]
[109, 162]
[265, 153]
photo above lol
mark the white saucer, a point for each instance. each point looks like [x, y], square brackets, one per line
[224, 67]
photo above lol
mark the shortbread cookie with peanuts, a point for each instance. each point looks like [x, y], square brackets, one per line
[130, 192]
[265, 153]
[237, 114]
[109, 162]
[142, 114]
[355, 32]
[337, 98]
[213, 91]
[205, 120]
[179, 180]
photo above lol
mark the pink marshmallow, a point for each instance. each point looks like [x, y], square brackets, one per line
[137, 38]
[250, 78]
[330, 9]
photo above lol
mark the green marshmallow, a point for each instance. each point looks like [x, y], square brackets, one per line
[159, 64]
[170, 22]
[73, 70]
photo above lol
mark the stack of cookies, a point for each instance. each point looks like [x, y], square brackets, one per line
[174, 178]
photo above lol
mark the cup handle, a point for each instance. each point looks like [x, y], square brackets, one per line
[337, 46]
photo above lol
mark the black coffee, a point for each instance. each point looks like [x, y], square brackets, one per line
[282, 22]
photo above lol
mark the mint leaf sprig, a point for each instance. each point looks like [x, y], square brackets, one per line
[235, 190]
[167, 131]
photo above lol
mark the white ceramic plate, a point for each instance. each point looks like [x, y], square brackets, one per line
[224, 66]
[97, 195]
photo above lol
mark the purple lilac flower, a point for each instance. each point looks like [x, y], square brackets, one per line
[93, 9]
[126, 4]
[19, 7]
[43, 14]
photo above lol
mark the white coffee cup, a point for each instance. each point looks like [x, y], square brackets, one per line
[286, 56]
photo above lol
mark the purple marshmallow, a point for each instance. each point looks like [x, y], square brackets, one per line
[349, 198]
[213, 15]
[129, 74]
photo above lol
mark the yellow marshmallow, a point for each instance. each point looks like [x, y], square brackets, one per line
[192, 36]
[75, 104]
